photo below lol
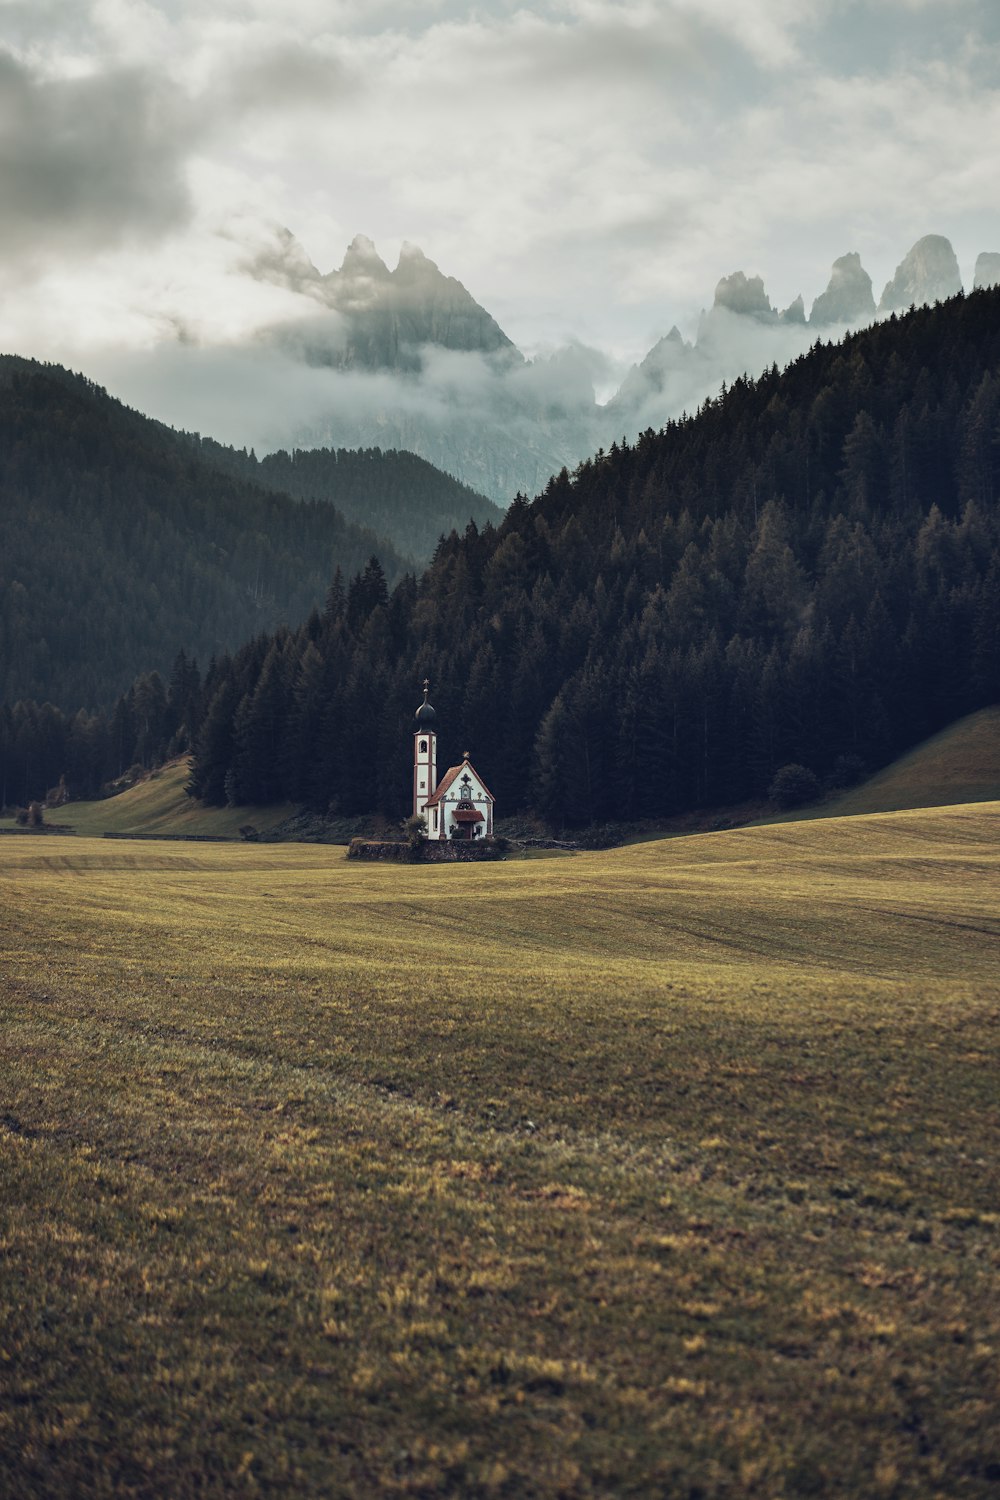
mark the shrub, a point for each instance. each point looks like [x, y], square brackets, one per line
[415, 829]
[847, 770]
[793, 785]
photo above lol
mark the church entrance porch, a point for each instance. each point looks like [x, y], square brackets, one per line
[466, 820]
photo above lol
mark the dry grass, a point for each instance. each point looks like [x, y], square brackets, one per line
[160, 805]
[665, 1171]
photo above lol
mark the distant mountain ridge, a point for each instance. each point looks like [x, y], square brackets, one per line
[446, 381]
[383, 319]
[741, 321]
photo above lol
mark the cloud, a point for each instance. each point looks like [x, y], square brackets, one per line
[288, 76]
[88, 162]
[588, 168]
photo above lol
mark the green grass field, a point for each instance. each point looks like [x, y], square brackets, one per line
[669, 1171]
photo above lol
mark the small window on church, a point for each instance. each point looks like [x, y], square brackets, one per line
[423, 747]
[422, 785]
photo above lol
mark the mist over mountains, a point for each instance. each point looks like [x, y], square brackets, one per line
[406, 358]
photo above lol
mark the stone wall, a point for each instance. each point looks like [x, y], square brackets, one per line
[433, 851]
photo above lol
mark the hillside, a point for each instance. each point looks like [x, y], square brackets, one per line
[159, 806]
[807, 571]
[961, 764]
[120, 545]
[396, 494]
[685, 1180]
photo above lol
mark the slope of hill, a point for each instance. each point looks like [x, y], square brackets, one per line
[960, 764]
[160, 806]
[394, 493]
[119, 546]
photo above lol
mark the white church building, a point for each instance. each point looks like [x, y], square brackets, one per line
[460, 805]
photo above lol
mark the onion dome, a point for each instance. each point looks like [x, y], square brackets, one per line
[425, 719]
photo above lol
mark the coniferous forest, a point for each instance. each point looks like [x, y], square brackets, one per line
[396, 494]
[807, 570]
[123, 542]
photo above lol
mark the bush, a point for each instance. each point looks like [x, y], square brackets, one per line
[847, 770]
[57, 796]
[793, 785]
[415, 830]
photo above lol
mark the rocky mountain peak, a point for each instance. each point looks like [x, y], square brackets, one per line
[414, 266]
[928, 274]
[987, 269]
[745, 295]
[362, 259]
[848, 297]
[413, 254]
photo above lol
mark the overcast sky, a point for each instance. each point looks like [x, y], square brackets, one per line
[588, 168]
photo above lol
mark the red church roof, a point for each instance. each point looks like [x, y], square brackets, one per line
[448, 778]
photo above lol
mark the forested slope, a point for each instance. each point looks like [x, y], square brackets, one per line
[806, 570]
[120, 545]
[396, 494]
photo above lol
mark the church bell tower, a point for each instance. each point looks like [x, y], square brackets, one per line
[424, 754]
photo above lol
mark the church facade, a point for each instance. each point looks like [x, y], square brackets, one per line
[460, 805]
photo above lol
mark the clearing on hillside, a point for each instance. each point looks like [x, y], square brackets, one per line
[671, 1170]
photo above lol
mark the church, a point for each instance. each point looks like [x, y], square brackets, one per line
[460, 805]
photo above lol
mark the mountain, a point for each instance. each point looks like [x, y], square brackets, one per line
[421, 366]
[415, 362]
[848, 297]
[496, 430]
[987, 271]
[122, 541]
[805, 572]
[929, 273]
[742, 332]
[668, 359]
[745, 296]
[383, 319]
[395, 494]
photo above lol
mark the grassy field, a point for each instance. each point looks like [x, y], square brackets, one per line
[160, 805]
[668, 1171]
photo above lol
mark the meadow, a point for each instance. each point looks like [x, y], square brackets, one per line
[667, 1171]
[159, 805]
